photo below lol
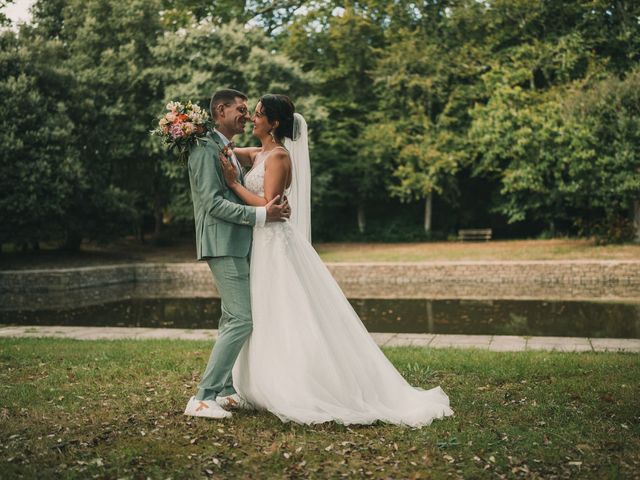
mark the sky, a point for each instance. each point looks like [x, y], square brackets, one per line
[18, 11]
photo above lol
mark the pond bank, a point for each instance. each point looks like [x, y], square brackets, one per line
[543, 279]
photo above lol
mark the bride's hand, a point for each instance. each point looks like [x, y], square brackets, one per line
[228, 170]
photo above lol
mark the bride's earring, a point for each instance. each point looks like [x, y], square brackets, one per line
[272, 135]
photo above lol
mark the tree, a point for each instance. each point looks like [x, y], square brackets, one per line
[106, 45]
[604, 165]
[38, 165]
[424, 94]
[338, 43]
[518, 135]
[4, 20]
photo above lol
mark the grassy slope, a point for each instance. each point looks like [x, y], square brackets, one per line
[560, 249]
[77, 409]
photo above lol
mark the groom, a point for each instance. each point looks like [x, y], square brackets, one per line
[224, 228]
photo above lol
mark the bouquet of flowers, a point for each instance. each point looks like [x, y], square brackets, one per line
[182, 126]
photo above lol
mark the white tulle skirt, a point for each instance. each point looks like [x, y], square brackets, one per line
[309, 358]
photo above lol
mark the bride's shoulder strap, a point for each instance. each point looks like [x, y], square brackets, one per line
[279, 149]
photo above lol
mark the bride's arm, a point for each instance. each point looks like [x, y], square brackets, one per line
[275, 178]
[246, 155]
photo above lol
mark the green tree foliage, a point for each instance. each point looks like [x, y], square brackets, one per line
[87, 58]
[519, 134]
[604, 159]
[425, 82]
[39, 167]
[109, 44]
[338, 43]
[533, 103]
[4, 21]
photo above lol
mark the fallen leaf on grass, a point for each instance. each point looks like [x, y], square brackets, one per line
[271, 450]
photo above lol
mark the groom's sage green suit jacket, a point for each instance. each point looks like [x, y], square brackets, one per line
[224, 226]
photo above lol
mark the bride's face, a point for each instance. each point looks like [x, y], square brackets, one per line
[261, 125]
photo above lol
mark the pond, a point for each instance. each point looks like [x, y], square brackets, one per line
[455, 316]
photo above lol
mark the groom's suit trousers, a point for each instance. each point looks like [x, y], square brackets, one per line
[231, 275]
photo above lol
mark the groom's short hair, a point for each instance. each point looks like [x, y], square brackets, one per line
[225, 97]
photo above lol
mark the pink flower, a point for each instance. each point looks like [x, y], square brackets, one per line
[176, 131]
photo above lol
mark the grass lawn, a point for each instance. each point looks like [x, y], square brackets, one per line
[113, 409]
[559, 249]
[129, 250]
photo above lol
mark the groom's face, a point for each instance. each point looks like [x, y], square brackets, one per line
[235, 116]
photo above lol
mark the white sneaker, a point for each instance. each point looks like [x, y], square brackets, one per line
[205, 408]
[233, 401]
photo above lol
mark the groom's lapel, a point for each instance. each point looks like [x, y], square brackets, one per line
[218, 140]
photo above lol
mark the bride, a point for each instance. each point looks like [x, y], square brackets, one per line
[309, 358]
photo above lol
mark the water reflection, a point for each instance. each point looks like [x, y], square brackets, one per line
[498, 317]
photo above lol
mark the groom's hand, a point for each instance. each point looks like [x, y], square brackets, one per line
[277, 212]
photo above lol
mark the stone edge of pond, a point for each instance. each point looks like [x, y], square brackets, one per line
[539, 279]
[496, 343]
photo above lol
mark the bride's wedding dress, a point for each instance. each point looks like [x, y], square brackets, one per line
[309, 358]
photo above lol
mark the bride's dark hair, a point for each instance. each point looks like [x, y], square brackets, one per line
[279, 107]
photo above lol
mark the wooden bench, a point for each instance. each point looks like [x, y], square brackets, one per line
[475, 234]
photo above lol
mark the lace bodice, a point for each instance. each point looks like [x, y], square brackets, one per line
[254, 179]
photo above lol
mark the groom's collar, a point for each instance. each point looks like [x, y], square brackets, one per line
[224, 139]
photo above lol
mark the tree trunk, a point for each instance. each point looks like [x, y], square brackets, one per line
[428, 205]
[157, 228]
[636, 220]
[362, 220]
[141, 238]
[157, 220]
